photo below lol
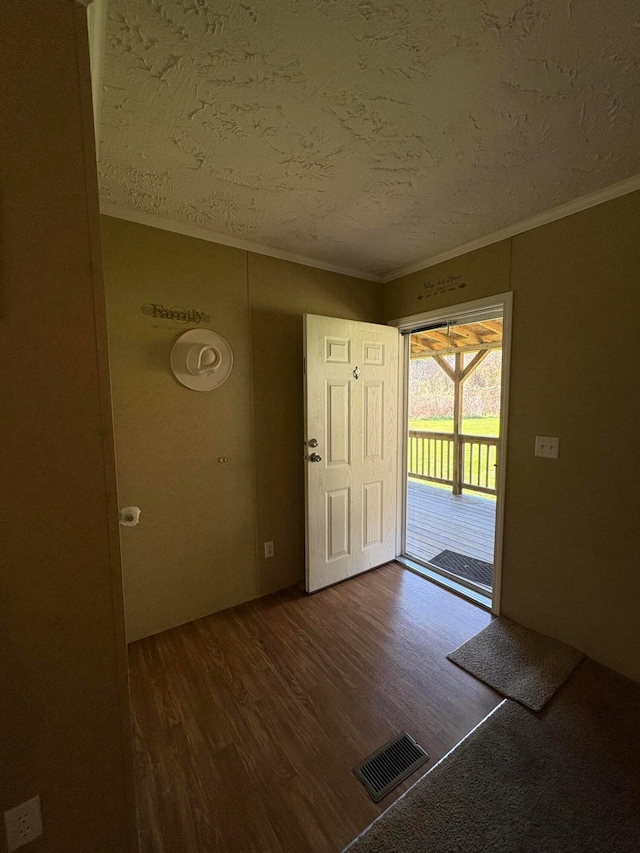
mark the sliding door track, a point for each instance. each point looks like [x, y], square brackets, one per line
[447, 581]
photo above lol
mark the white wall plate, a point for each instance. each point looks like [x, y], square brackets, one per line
[201, 360]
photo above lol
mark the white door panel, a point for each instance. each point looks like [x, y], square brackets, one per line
[351, 411]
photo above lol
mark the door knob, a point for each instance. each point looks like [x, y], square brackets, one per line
[313, 442]
[315, 457]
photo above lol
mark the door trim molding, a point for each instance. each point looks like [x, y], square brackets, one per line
[465, 312]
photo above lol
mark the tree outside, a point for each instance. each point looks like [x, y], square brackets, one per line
[431, 396]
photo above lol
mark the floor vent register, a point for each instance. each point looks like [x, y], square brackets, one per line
[390, 765]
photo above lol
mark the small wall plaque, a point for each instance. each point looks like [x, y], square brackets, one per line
[176, 314]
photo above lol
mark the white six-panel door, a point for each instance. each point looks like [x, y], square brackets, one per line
[351, 410]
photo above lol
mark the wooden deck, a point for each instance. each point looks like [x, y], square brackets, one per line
[438, 520]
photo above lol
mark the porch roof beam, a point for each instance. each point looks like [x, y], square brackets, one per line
[428, 353]
[492, 325]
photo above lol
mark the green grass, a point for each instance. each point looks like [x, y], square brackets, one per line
[470, 426]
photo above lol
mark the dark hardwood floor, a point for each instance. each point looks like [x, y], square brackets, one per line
[248, 723]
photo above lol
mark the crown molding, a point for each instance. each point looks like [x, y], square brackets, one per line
[84, 2]
[154, 221]
[583, 203]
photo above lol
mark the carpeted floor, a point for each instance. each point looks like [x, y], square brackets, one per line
[517, 662]
[565, 780]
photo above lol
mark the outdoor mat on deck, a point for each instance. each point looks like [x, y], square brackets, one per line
[467, 567]
[517, 662]
[565, 780]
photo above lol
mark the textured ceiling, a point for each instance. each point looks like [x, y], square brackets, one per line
[366, 134]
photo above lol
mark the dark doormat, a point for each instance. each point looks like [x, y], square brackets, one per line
[467, 567]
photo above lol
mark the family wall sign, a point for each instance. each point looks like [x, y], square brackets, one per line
[177, 314]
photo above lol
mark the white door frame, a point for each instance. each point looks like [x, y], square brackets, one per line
[465, 312]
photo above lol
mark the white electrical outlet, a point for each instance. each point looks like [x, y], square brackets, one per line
[268, 549]
[23, 824]
[547, 446]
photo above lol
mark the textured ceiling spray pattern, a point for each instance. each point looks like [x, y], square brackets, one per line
[367, 134]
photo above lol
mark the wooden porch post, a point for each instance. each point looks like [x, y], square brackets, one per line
[457, 423]
[457, 375]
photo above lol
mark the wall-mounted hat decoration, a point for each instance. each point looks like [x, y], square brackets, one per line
[201, 360]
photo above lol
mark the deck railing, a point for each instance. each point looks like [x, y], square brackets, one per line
[463, 461]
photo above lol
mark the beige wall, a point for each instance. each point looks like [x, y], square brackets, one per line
[194, 550]
[64, 708]
[199, 546]
[572, 539]
[483, 273]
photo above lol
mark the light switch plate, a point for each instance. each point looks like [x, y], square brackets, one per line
[547, 446]
[268, 550]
